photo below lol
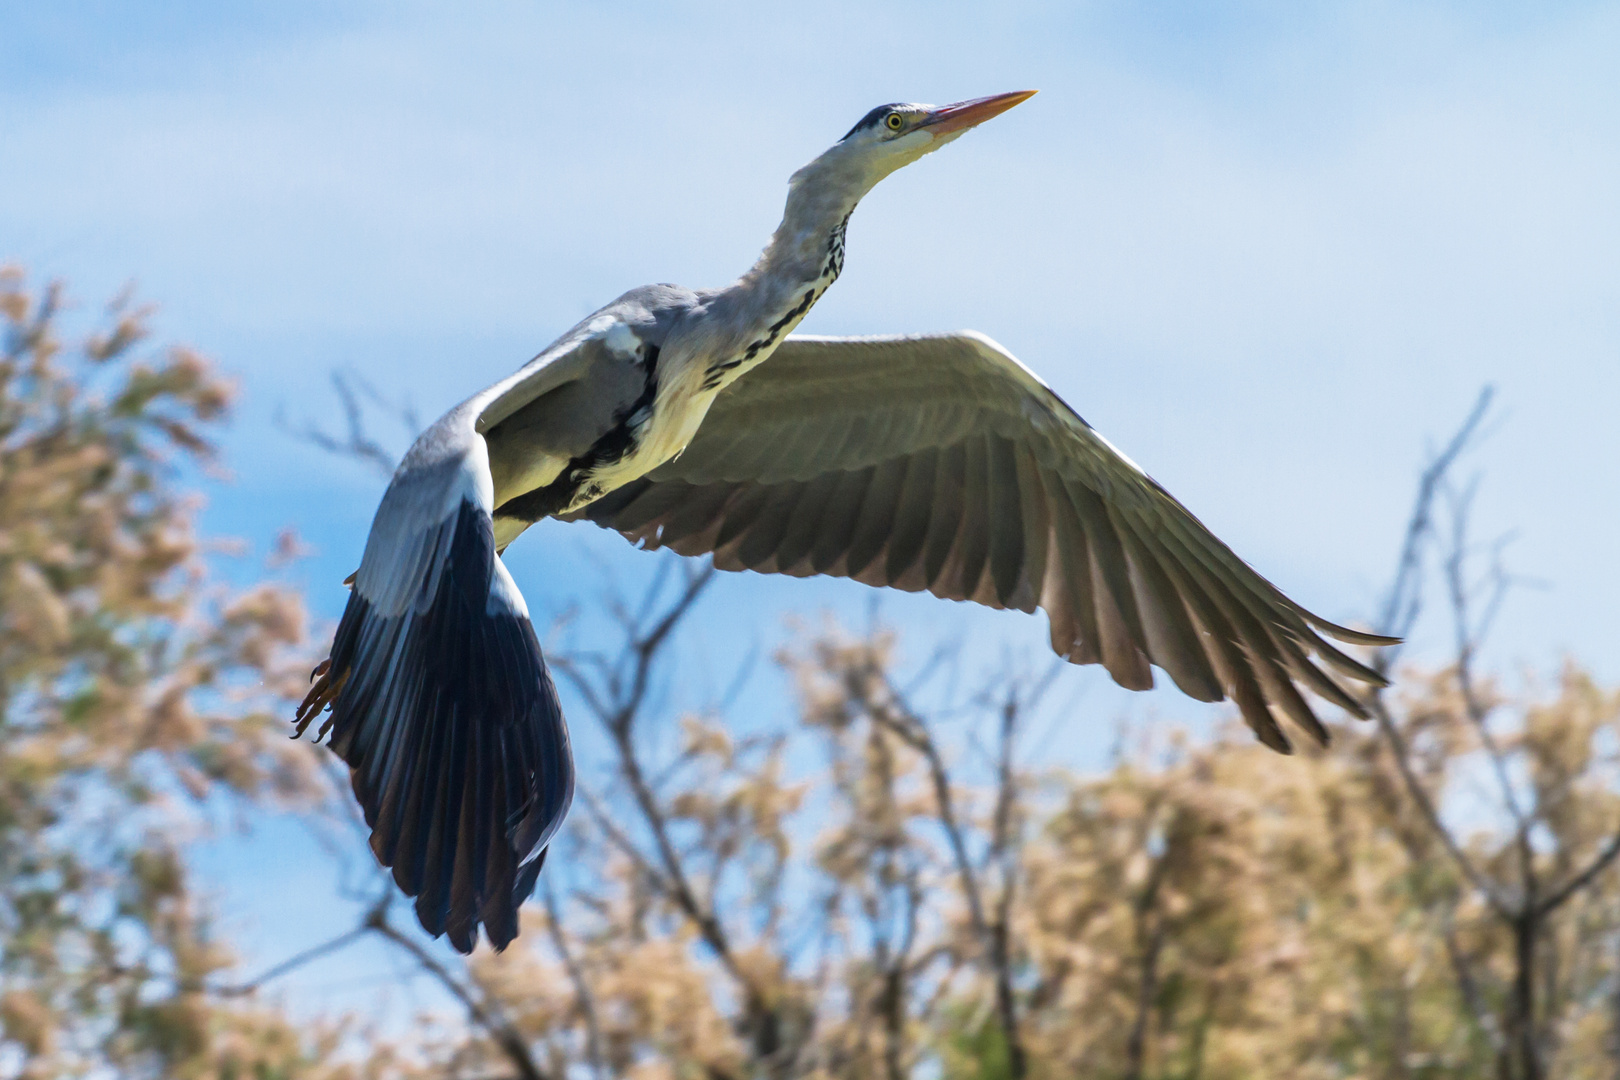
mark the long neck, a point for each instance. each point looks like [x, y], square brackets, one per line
[820, 199]
[805, 254]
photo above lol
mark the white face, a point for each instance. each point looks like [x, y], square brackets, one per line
[893, 136]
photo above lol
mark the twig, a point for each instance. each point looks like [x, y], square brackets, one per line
[582, 988]
[292, 963]
[895, 715]
[1468, 641]
[618, 708]
[619, 840]
[356, 442]
[1414, 788]
[1601, 862]
[507, 1037]
[1468, 986]
[1400, 610]
[1402, 605]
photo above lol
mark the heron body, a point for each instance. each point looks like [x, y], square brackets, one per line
[693, 420]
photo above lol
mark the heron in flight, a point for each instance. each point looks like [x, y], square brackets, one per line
[692, 419]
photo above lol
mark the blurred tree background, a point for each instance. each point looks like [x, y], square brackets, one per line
[886, 879]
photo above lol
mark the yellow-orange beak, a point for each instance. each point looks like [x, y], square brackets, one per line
[965, 114]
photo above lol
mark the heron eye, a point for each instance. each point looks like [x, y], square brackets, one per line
[895, 121]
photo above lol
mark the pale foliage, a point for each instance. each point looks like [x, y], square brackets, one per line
[131, 686]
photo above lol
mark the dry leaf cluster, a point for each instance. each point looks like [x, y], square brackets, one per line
[132, 689]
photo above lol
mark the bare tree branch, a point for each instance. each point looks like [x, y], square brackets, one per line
[1400, 612]
[1467, 643]
[1404, 601]
[899, 718]
[582, 987]
[355, 442]
[1468, 987]
[618, 705]
[485, 1015]
[1431, 816]
[294, 962]
[1599, 863]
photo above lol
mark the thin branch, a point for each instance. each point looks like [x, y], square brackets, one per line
[1404, 602]
[910, 728]
[679, 887]
[1468, 986]
[506, 1036]
[1151, 946]
[294, 962]
[1400, 612]
[1467, 645]
[355, 443]
[582, 988]
[1601, 862]
[618, 709]
[1414, 787]
[619, 840]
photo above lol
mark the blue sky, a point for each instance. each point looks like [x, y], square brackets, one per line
[1272, 250]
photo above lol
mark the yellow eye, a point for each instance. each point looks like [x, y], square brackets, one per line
[895, 121]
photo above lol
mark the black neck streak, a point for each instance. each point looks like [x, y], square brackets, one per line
[830, 269]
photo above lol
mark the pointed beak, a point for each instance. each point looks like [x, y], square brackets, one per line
[965, 114]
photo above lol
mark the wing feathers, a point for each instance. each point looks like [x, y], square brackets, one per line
[945, 519]
[639, 503]
[911, 520]
[875, 519]
[758, 545]
[1082, 638]
[1243, 631]
[1037, 530]
[1006, 520]
[942, 463]
[1172, 638]
[805, 524]
[837, 528]
[1119, 625]
[973, 537]
[449, 722]
[688, 530]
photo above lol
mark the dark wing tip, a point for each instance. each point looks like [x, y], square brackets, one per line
[450, 724]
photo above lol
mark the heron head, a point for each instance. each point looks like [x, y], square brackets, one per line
[892, 136]
[824, 192]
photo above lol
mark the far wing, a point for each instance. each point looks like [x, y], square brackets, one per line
[441, 703]
[940, 462]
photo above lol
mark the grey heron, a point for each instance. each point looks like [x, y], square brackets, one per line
[691, 419]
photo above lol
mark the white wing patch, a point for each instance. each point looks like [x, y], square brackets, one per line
[622, 341]
[504, 598]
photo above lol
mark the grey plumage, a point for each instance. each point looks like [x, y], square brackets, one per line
[692, 420]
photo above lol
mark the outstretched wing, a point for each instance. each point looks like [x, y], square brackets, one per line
[441, 703]
[940, 462]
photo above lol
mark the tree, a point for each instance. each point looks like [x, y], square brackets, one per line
[132, 687]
